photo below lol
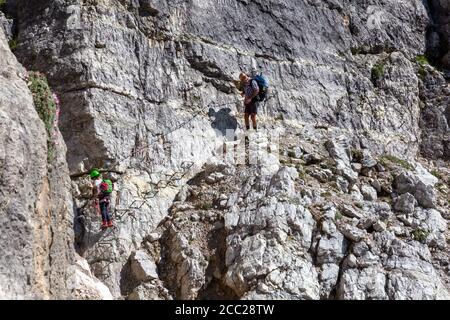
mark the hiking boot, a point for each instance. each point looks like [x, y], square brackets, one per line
[104, 225]
[110, 224]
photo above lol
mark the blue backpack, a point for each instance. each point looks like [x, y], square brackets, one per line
[263, 85]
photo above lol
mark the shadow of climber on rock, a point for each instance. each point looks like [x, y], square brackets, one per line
[223, 120]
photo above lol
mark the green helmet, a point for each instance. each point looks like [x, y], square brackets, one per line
[94, 173]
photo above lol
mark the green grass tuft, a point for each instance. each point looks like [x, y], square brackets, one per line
[357, 154]
[422, 73]
[378, 71]
[326, 194]
[13, 43]
[291, 154]
[355, 51]
[422, 60]
[419, 235]
[387, 158]
[436, 174]
[207, 205]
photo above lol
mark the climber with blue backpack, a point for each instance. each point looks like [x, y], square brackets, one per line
[102, 194]
[254, 91]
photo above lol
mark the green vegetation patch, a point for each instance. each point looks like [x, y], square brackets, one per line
[357, 155]
[47, 106]
[207, 205]
[355, 51]
[387, 158]
[291, 154]
[422, 72]
[378, 71]
[420, 235]
[326, 194]
[13, 43]
[422, 60]
[436, 174]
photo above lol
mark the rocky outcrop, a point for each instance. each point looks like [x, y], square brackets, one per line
[146, 88]
[434, 90]
[268, 241]
[85, 286]
[36, 214]
[288, 234]
[36, 207]
[353, 71]
[148, 96]
[435, 114]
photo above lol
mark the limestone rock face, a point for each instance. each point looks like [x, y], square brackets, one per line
[36, 219]
[418, 186]
[85, 286]
[148, 68]
[343, 194]
[142, 266]
[6, 25]
[264, 260]
[270, 240]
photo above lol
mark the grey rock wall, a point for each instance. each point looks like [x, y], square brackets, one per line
[37, 254]
[36, 206]
[129, 70]
[147, 92]
[291, 234]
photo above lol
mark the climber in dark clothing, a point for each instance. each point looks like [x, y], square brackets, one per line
[251, 90]
[102, 194]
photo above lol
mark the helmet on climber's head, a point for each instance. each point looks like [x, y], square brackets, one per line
[94, 173]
